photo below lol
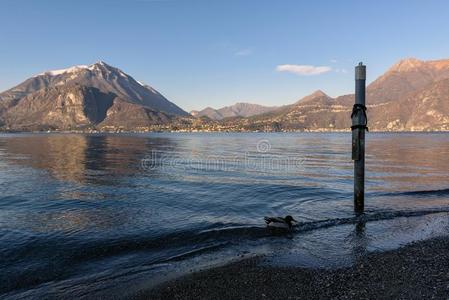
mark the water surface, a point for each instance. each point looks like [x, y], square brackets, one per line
[94, 215]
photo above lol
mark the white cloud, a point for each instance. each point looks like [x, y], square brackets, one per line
[334, 61]
[303, 69]
[244, 52]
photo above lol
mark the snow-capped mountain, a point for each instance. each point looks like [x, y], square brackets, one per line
[82, 95]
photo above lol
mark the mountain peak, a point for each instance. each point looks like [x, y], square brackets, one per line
[73, 69]
[407, 64]
[318, 93]
[313, 96]
[101, 63]
[239, 109]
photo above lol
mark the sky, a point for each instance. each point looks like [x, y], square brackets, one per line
[219, 52]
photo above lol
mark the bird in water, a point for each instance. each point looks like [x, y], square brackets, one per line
[280, 223]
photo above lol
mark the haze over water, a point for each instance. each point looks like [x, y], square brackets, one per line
[104, 212]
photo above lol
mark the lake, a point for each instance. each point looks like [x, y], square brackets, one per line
[110, 214]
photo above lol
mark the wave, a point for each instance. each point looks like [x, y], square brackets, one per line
[364, 218]
[166, 248]
[439, 192]
[183, 243]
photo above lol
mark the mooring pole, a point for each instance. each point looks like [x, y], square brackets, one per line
[359, 125]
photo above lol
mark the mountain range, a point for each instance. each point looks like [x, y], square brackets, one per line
[413, 95]
[237, 110]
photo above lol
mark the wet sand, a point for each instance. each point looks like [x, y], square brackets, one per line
[415, 271]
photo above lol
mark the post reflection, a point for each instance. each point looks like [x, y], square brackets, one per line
[359, 239]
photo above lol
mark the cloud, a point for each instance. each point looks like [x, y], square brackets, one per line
[243, 52]
[303, 69]
[334, 61]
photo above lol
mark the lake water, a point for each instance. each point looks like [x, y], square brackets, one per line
[98, 215]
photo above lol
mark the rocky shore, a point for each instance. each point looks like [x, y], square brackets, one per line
[416, 271]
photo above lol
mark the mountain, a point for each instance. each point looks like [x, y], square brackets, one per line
[406, 77]
[413, 95]
[82, 96]
[425, 109]
[315, 111]
[318, 94]
[237, 110]
[209, 112]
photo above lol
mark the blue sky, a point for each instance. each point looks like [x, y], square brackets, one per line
[215, 53]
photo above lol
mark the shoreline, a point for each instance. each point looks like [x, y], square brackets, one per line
[217, 131]
[417, 270]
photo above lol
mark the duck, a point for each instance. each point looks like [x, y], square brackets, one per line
[280, 223]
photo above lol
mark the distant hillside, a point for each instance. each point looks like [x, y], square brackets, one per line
[412, 95]
[236, 110]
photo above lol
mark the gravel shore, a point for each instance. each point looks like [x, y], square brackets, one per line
[416, 271]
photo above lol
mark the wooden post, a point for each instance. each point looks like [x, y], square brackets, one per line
[359, 122]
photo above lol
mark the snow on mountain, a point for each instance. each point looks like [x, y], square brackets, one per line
[84, 95]
[63, 71]
[102, 76]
